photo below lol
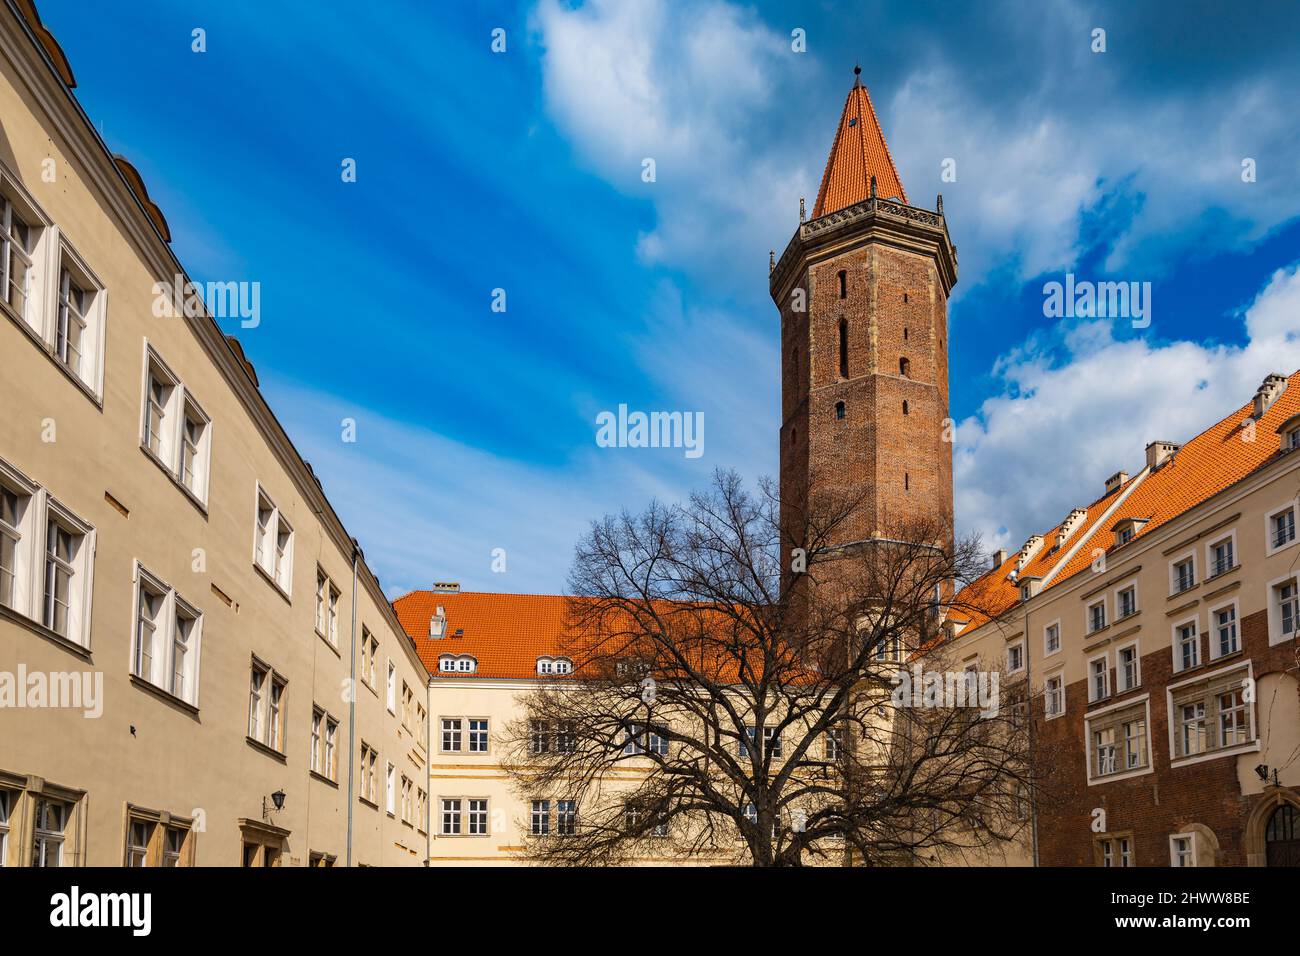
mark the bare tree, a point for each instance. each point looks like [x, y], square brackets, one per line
[736, 695]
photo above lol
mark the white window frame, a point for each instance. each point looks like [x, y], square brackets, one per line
[451, 816]
[1131, 585]
[1176, 646]
[162, 670]
[1087, 616]
[457, 664]
[263, 721]
[1212, 613]
[275, 568]
[1275, 634]
[1059, 676]
[82, 587]
[36, 319]
[28, 589]
[1190, 837]
[1047, 649]
[1247, 670]
[1093, 696]
[390, 687]
[480, 817]
[1019, 646]
[453, 728]
[178, 408]
[1095, 716]
[1292, 506]
[1125, 687]
[1173, 572]
[390, 790]
[91, 372]
[1210, 573]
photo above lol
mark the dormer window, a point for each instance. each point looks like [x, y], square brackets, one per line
[457, 664]
[554, 665]
[1126, 529]
[1289, 430]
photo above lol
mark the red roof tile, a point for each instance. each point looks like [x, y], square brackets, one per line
[858, 153]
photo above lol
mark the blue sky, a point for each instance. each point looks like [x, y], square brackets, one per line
[522, 171]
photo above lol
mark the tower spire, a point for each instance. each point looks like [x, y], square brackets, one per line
[858, 155]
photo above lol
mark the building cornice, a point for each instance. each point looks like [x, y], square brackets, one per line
[910, 228]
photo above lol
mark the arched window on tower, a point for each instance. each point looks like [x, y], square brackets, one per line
[844, 284]
[904, 408]
[904, 368]
[844, 348]
[839, 411]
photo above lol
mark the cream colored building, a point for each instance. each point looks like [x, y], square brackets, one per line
[179, 602]
[1157, 626]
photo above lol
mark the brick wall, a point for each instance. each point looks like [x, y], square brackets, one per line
[1153, 806]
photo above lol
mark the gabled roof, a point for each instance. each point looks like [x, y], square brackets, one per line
[1214, 460]
[505, 633]
[858, 153]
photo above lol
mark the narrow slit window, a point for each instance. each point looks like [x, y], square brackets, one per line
[839, 411]
[844, 284]
[844, 348]
[905, 408]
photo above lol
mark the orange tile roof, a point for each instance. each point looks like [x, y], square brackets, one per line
[858, 153]
[505, 633]
[1214, 460]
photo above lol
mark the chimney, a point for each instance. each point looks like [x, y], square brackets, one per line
[1069, 524]
[438, 625]
[1115, 481]
[1031, 548]
[999, 558]
[446, 587]
[1269, 390]
[1159, 452]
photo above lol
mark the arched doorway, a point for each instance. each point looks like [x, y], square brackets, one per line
[1282, 836]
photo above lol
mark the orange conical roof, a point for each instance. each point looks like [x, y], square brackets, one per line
[858, 153]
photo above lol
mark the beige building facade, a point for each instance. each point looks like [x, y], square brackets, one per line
[197, 667]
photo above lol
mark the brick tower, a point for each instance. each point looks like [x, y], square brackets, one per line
[863, 292]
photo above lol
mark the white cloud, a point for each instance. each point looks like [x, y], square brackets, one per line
[1062, 427]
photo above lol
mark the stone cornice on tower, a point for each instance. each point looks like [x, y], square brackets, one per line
[910, 228]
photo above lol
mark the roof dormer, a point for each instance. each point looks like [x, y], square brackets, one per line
[1290, 432]
[457, 664]
[552, 666]
[1126, 529]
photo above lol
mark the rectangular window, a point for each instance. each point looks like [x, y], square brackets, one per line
[6, 797]
[1096, 616]
[1054, 696]
[451, 818]
[1225, 631]
[1221, 557]
[390, 789]
[541, 818]
[1234, 719]
[1052, 639]
[138, 835]
[1184, 575]
[273, 543]
[168, 633]
[391, 688]
[1118, 740]
[1098, 679]
[1282, 526]
[1127, 667]
[173, 846]
[1193, 729]
[833, 744]
[50, 820]
[175, 430]
[1187, 646]
[369, 771]
[478, 735]
[1015, 658]
[61, 548]
[1182, 850]
[266, 706]
[566, 817]
[1288, 607]
[1127, 602]
[451, 731]
[478, 818]
[333, 614]
[17, 254]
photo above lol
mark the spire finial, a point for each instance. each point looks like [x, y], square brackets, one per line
[857, 75]
[771, 260]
